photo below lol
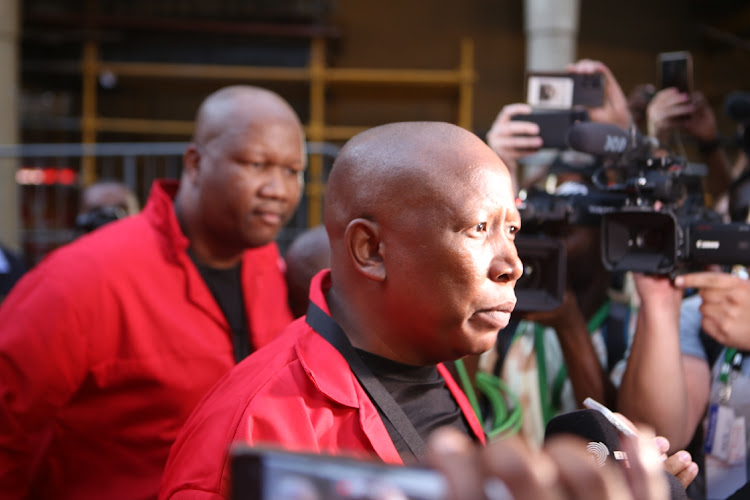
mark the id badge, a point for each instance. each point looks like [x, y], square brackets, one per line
[719, 431]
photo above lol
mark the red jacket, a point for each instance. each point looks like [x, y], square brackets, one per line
[105, 349]
[298, 392]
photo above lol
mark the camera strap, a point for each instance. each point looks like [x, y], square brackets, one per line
[381, 398]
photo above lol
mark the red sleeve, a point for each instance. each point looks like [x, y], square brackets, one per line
[43, 361]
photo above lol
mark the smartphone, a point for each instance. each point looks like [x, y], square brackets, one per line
[554, 124]
[260, 473]
[676, 70]
[560, 90]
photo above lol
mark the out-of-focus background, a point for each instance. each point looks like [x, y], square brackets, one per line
[108, 88]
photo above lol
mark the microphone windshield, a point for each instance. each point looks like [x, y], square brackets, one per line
[737, 106]
[598, 139]
[604, 440]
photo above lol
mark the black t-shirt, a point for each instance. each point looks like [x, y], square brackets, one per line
[226, 287]
[421, 393]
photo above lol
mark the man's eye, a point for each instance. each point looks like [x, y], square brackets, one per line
[514, 229]
[481, 227]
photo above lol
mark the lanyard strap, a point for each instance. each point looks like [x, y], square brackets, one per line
[332, 332]
[732, 361]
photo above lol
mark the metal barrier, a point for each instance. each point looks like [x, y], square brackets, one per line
[49, 180]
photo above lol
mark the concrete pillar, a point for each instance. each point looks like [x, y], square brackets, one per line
[9, 94]
[551, 33]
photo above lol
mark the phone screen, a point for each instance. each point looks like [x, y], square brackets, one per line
[676, 70]
[557, 90]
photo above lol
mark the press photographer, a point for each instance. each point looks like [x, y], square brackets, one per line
[552, 359]
[570, 308]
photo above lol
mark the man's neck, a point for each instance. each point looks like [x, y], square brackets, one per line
[361, 329]
[200, 243]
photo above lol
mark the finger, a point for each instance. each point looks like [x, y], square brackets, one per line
[713, 329]
[715, 295]
[525, 472]
[678, 110]
[580, 476]
[662, 444]
[585, 66]
[681, 466]
[645, 473]
[455, 456]
[688, 474]
[701, 279]
[520, 128]
[677, 462]
[525, 143]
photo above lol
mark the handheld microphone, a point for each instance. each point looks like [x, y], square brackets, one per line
[737, 106]
[604, 441]
[598, 139]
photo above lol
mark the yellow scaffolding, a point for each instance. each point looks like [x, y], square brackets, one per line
[316, 74]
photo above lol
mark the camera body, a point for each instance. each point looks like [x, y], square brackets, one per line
[663, 227]
[542, 285]
[94, 219]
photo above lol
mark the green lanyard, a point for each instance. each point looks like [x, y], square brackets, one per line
[551, 398]
[732, 360]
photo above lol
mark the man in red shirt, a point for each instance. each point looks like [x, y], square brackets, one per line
[108, 344]
[421, 220]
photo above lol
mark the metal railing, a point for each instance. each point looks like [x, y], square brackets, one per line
[49, 179]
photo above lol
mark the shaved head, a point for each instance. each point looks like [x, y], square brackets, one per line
[238, 104]
[242, 174]
[421, 220]
[399, 165]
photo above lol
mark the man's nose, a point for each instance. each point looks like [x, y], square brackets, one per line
[274, 184]
[506, 266]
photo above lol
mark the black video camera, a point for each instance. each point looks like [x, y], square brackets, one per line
[542, 284]
[93, 219]
[663, 226]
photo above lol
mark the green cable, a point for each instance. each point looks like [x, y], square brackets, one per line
[494, 388]
[468, 388]
[541, 366]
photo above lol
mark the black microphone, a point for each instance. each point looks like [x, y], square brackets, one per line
[737, 106]
[598, 139]
[603, 441]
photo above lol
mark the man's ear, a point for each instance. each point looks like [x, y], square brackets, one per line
[362, 237]
[191, 163]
